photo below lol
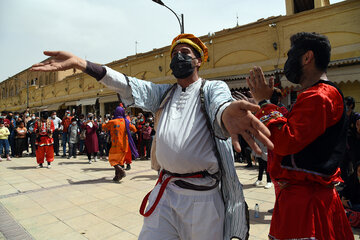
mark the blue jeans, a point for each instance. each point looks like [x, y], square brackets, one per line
[64, 141]
[4, 143]
[81, 146]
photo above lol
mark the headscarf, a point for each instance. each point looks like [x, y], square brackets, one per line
[120, 113]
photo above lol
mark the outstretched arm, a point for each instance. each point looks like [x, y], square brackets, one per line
[60, 61]
[238, 119]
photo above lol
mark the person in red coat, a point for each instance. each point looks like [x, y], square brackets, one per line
[44, 143]
[309, 143]
[91, 140]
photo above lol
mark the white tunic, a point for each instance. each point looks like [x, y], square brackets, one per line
[184, 143]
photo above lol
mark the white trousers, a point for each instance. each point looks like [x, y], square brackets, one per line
[184, 214]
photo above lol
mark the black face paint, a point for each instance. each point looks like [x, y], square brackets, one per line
[181, 65]
[293, 68]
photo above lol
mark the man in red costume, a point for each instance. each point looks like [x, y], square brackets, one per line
[44, 143]
[309, 144]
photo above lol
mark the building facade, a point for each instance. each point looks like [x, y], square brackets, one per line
[232, 53]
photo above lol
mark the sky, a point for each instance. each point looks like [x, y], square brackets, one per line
[107, 30]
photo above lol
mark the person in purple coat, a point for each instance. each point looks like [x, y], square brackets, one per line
[91, 140]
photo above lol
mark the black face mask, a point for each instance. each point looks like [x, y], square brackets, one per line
[181, 65]
[293, 68]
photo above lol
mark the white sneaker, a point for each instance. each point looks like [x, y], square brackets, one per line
[89, 161]
[258, 183]
[48, 166]
[8, 158]
[95, 159]
[268, 185]
[0, 159]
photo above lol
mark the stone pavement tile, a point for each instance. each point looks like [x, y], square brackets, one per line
[55, 204]
[40, 220]
[119, 201]
[95, 205]
[72, 212]
[49, 184]
[261, 196]
[259, 231]
[136, 196]
[15, 202]
[66, 192]
[124, 235]
[135, 229]
[70, 236]
[105, 194]
[128, 220]
[16, 179]
[134, 206]
[49, 231]
[102, 231]
[7, 189]
[109, 213]
[83, 222]
[80, 200]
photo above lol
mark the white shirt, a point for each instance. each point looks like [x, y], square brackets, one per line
[184, 143]
[57, 122]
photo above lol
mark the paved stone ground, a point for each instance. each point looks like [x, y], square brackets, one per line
[77, 200]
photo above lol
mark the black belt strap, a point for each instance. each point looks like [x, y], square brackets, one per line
[187, 185]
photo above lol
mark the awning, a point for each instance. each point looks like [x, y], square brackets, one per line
[89, 101]
[72, 103]
[111, 98]
[344, 74]
[42, 108]
[53, 107]
[237, 83]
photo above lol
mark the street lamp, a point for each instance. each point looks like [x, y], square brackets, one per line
[180, 19]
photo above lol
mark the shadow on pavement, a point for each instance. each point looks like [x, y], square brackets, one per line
[22, 167]
[69, 163]
[255, 168]
[247, 186]
[92, 181]
[97, 169]
[147, 177]
[260, 219]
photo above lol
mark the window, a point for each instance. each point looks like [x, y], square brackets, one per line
[303, 5]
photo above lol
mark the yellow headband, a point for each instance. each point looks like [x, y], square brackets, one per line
[189, 42]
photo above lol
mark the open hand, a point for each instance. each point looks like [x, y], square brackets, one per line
[59, 61]
[259, 87]
[238, 119]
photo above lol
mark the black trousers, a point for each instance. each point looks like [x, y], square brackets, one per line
[145, 143]
[262, 167]
[32, 143]
[20, 145]
[56, 142]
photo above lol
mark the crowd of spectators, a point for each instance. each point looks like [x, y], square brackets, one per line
[17, 136]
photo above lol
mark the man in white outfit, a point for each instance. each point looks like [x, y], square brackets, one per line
[198, 195]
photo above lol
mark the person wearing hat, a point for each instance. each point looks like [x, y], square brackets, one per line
[122, 144]
[198, 194]
[65, 123]
[44, 143]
